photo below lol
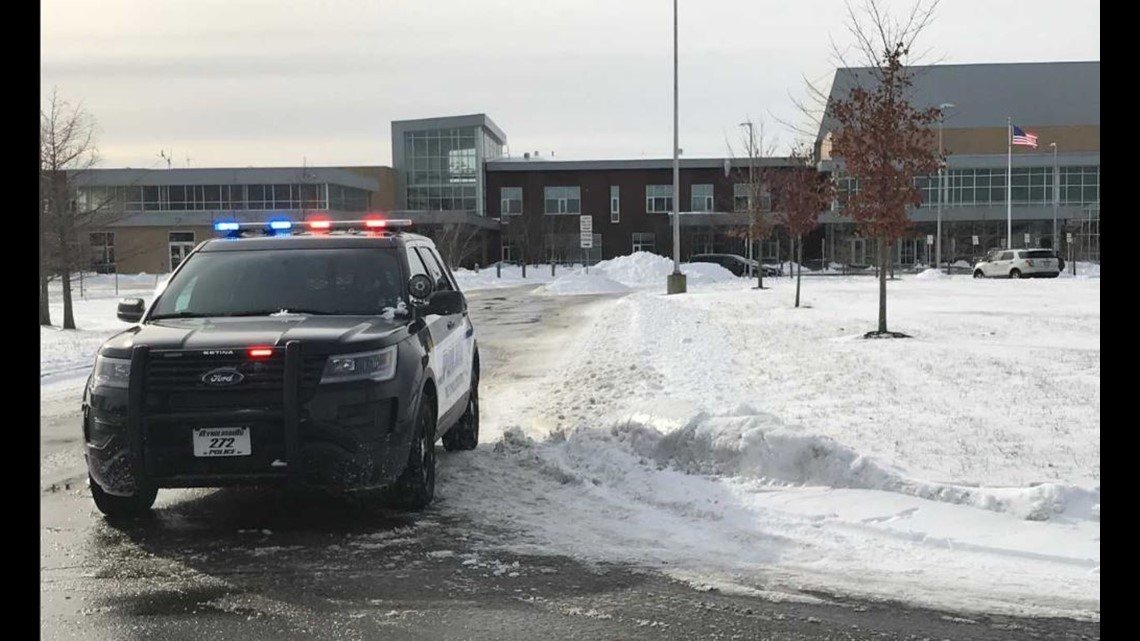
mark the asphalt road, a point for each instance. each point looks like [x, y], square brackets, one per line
[263, 564]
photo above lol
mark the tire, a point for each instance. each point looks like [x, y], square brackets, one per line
[415, 488]
[979, 274]
[1015, 273]
[122, 506]
[464, 435]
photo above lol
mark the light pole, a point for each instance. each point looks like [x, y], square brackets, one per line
[1056, 196]
[676, 280]
[941, 187]
[751, 189]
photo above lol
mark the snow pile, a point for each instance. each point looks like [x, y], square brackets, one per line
[1084, 270]
[645, 269]
[510, 276]
[932, 274]
[747, 444]
[579, 283]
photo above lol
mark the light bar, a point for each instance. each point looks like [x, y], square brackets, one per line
[320, 223]
[280, 225]
[226, 225]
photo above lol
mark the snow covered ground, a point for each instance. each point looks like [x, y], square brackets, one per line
[733, 441]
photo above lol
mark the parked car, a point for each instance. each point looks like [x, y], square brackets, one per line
[736, 264]
[1018, 263]
[331, 360]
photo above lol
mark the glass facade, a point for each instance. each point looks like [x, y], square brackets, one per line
[296, 196]
[1080, 186]
[443, 168]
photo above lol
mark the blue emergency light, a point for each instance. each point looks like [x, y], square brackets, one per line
[226, 225]
[280, 225]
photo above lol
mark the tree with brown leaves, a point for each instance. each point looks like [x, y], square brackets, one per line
[883, 141]
[801, 193]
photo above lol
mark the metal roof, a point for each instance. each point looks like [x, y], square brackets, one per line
[645, 163]
[446, 122]
[1033, 94]
[226, 176]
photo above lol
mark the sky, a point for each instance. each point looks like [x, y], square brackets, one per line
[264, 83]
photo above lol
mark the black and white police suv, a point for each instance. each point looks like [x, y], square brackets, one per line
[324, 358]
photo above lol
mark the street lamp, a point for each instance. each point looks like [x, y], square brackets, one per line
[1056, 196]
[751, 190]
[941, 187]
[676, 281]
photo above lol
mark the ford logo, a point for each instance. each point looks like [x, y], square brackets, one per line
[222, 377]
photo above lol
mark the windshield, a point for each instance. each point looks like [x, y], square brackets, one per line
[263, 282]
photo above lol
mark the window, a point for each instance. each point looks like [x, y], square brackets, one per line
[1006, 256]
[102, 245]
[740, 197]
[511, 198]
[658, 199]
[642, 242]
[435, 268]
[563, 200]
[181, 236]
[702, 198]
[615, 204]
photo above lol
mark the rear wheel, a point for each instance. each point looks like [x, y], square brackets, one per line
[1016, 273]
[415, 488]
[121, 506]
[464, 435]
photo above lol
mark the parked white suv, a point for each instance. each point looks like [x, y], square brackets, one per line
[1018, 263]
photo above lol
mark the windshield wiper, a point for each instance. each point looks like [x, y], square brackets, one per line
[180, 315]
[288, 311]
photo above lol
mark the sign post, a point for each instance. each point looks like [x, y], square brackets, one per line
[1027, 240]
[586, 237]
[929, 242]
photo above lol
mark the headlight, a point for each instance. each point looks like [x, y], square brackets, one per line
[112, 372]
[375, 366]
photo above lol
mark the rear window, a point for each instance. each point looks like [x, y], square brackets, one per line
[1038, 253]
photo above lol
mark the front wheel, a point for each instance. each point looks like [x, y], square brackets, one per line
[464, 435]
[113, 506]
[978, 274]
[415, 488]
[1015, 273]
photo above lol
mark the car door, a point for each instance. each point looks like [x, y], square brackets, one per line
[453, 336]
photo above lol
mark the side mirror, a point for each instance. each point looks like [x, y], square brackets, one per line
[420, 286]
[444, 303]
[131, 309]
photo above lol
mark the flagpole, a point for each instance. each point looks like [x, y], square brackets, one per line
[1009, 183]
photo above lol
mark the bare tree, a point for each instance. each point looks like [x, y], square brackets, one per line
[801, 193]
[884, 142]
[67, 149]
[759, 222]
[524, 231]
[456, 242]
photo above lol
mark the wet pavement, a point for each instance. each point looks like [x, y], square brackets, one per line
[264, 564]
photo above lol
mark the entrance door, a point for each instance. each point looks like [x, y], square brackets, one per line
[858, 251]
[181, 243]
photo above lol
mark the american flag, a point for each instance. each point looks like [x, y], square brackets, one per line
[1020, 137]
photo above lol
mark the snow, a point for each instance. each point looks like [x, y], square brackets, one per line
[582, 283]
[725, 437]
[645, 269]
[730, 440]
[511, 276]
[66, 356]
[931, 274]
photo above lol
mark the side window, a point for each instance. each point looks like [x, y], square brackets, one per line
[433, 266]
[1006, 256]
[415, 264]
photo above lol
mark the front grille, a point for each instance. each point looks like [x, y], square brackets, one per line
[175, 382]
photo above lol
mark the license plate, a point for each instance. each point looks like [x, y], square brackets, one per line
[222, 441]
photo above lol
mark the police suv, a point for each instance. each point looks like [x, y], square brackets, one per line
[309, 358]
